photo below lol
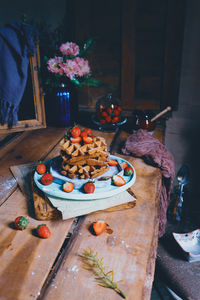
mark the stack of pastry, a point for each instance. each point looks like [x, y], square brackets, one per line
[84, 160]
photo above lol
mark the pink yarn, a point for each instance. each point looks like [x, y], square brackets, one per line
[143, 145]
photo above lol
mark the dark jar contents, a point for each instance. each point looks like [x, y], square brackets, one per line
[108, 111]
[142, 120]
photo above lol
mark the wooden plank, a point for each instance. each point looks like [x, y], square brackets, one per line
[130, 250]
[26, 260]
[29, 147]
[128, 53]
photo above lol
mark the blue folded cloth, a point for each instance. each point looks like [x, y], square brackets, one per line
[17, 44]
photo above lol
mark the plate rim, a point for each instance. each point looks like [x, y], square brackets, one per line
[61, 195]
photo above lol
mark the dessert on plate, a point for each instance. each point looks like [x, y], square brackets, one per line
[83, 155]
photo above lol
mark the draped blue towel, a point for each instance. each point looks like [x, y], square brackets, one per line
[17, 44]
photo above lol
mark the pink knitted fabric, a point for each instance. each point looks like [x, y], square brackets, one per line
[142, 144]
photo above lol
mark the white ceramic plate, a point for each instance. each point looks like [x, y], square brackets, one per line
[55, 189]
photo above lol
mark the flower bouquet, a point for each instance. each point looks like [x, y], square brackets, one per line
[70, 64]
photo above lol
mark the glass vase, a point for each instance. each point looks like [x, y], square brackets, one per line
[64, 110]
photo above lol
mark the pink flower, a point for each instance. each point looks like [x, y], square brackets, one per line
[75, 67]
[54, 65]
[82, 66]
[69, 48]
[69, 68]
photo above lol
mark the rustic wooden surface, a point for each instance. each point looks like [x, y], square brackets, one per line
[32, 268]
[130, 251]
[44, 209]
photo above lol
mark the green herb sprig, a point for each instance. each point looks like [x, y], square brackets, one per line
[105, 279]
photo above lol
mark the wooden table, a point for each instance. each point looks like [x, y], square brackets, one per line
[33, 268]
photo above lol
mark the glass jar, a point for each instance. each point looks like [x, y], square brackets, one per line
[108, 110]
[142, 120]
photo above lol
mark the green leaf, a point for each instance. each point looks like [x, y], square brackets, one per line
[77, 82]
[46, 59]
[92, 82]
[89, 81]
[86, 47]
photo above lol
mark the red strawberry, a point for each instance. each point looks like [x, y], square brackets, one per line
[118, 180]
[104, 114]
[124, 165]
[68, 187]
[41, 169]
[109, 110]
[76, 140]
[43, 231]
[75, 132]
[89, 187]
[101, 107]
[115, 120]
[21, 223]
[102, 121]
[47, 179]
[87, 140]
[108, 119]
[116, 112]
[128, 171]
[83, 133]
[99, 227]
[119, 108]
[113, 162]
[88, 131]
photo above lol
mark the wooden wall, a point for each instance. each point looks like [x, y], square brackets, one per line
[138, 49]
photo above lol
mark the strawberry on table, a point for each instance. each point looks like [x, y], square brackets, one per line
[68, 187]
[118, 180]
[47, 179]
[89, 187]
[128, 171]
[21, 223]
[113, 162]
[43, 231]
[99, 227]
[75, 132]
[41, 168]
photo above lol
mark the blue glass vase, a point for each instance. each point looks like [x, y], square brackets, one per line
[67, 105]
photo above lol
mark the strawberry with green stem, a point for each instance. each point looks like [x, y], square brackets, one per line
[21, 223]
[43, 231]
[41, 168]
[128, 171]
